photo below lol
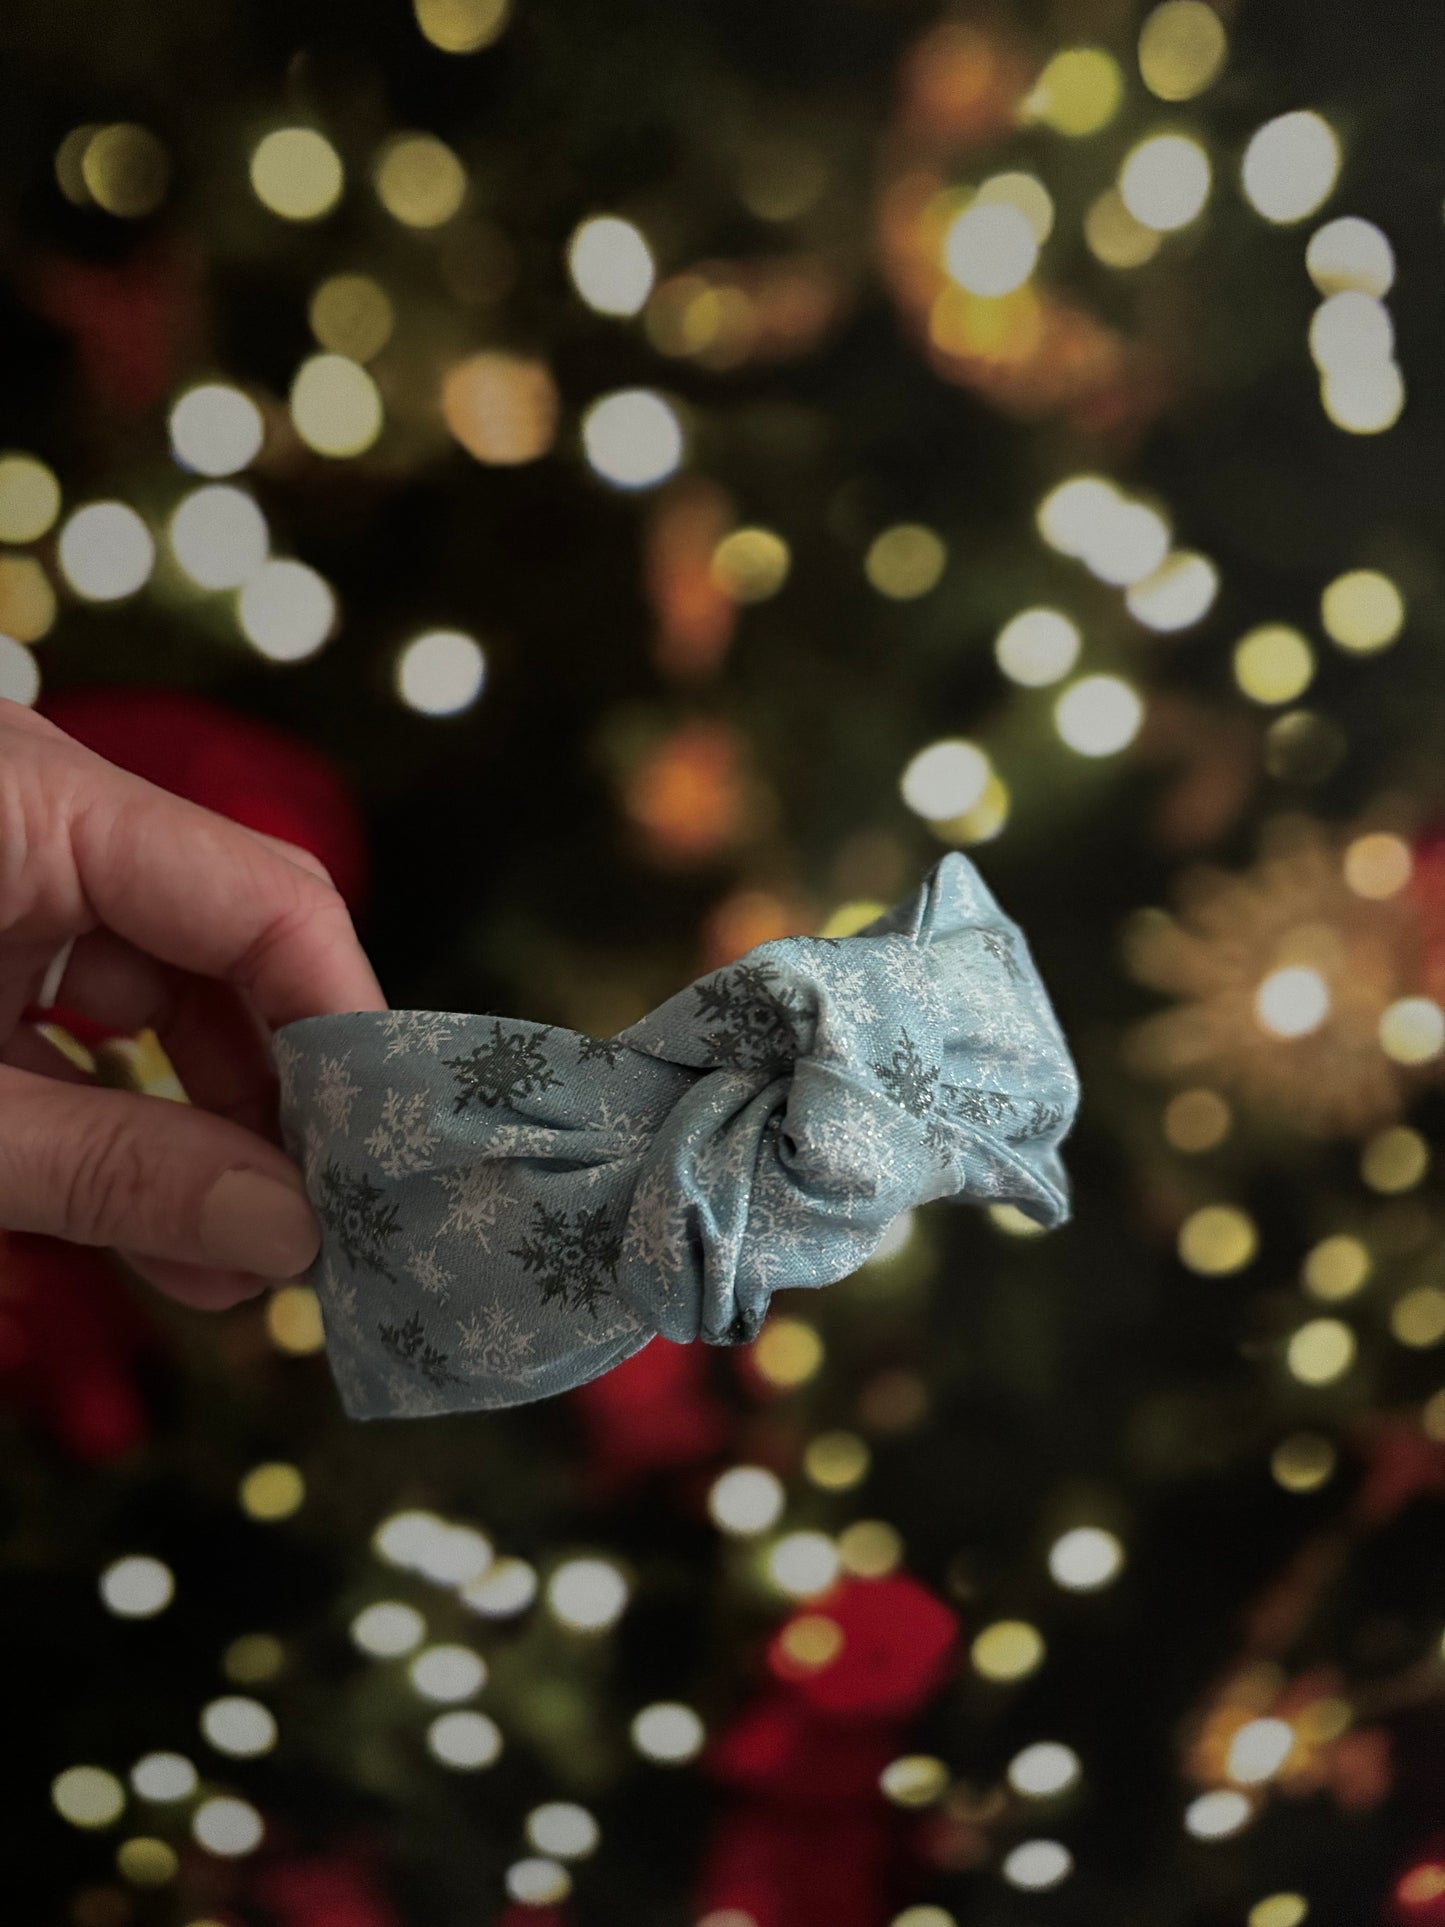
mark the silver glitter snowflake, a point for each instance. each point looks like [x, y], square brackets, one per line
[477, 1194]
[335, 1092]
[431, 1274]
[416, 1030]
[494, 1341]
[404, 1140]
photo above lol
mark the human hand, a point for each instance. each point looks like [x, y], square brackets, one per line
[202, 930]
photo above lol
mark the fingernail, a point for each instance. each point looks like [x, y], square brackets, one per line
[255, 1223]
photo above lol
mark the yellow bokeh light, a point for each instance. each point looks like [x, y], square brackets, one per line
[1165, 181]
[1432, 1419]
[1009, 1649]
[87, 1796]
[293, 1320]
[253, 1658]
[272, 1491]
[633, 438]
[1321, 1351]
[1337, 1267]
[869, 1548]
[990, 248]
[335, 405]
[69, 157]
[27, 601]
[1412, 1030]
[1394, 1160]
[502, 408]
[1350, 254]
[419, 180]
[352, 315]
[1290, 166]
[787, 1351]
[29, 498]
[215, 429]
[1179, 593]
[905, 561]
[1077, 93]
[914, 1780]
[1027, 193]
[1362, 611]
[297, 173]
[812, 1640]
[1197, 1120]
[1366, 399]
[946, 779]
[1378, 865]
[1098, 715]
[836, 1460]
[1182, 49]
[1279, 1910]
[1217, 1240]
[125, 170]
[146, 1862]
[1303, 1462]
[611, 265]
[1038, 647]
[1273, 664]
[1417, 1318]
[1114, 236]
[462, 26]
[1292, 1002]
[982, 821]
[750, 564]
[441, 672]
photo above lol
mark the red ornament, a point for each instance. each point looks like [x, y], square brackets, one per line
[780, 1748]
[131, 324]
[243, 769]
[651, 1413]
[897, 1646]
[69, 1342]
[781, 1866]
[1418, 1896]
[324, 1890]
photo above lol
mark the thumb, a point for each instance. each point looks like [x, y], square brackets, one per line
[162, 1180]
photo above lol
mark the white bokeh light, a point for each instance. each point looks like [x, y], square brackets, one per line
[746, 1499]
[219, 536]
[19, 672]
[106, 551]
[1085, 1558]
[137, 1587]
[1045, 1768]
[388, 1629]
[633, 438]
[448, 1673]
[227, 1826]
[1038, 1864]
[611, 265]
[588, 1595]
[441, 673]
[667, 1732]
[991, 248]
[163, 1777]
[1290, 167]
[945, 779]
[1292, 1002]
[1098, 715]
[239, 1726]
[1038, 647]
[215, 429]
[1259, 1749]
[286, 610]
[1165, 181]
[464, 1740]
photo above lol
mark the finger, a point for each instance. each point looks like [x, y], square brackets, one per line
[293, 853]
[199, 1286]
[181, 883]
[143, 1174]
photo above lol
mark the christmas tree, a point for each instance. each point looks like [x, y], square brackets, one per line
[621, 484]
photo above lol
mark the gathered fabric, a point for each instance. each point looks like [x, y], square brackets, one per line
[511, 1208]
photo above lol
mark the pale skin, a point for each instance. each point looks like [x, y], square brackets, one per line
[208, 933]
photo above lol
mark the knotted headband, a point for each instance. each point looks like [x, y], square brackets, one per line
[511, 1208]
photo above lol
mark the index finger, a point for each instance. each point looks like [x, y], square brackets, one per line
[200, 892]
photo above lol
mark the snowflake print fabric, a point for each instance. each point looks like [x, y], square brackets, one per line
[511, 1209]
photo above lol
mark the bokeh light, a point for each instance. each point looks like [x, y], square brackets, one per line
[1182, 49]
[1078, 92]
[537, 1882]
[87, 1796]
[1098, 715]
[1114, 236]
[125, 170]
[29, 498]
[1394, 1160]
[1362, 611]
[905, 561]
[352, 315]
[1165, 181]
[945, 779]
[1197, 1120]
[335, 405]
[562, 1828]
[1292, 1002]
[1290, 166]
[1303, 1462]
[1214, 1816]
[297, 173]
[137, 1586]
[1008, 1649]
[272, 1491]
[1336, 1267]
[464, 1740]
[106, 551]
[1086, 1558]
[746, 1499]
[913, 1780]
[991, 248]
[1259, 1749]
[227, 1826]
[1037, 1864]
[164, 1777]
[587, 1595]
[1043, 1769]
[611, 265]
[1038, 647]
[447, 1673]
[502, 408]
[633, 438]
[441, 672]
[219, 536]
[241, 1727]
[146, 1862]
[419, 180]
[1351, 254]
[1179, 593]
[27, 602]
[1321, 1351]
[802, 1563]
[1273, 663]
[287, 611]
[750, 564]
[215, 429]
[1412, 1030]
[19, 672]
[462, 26]
[1217, 1240]
[667, 1732]
[388, 1629]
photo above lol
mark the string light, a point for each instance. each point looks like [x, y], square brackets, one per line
[288, 612]
[1038, 647]
[297, 173]
[464, 1740]
[462, 26]
[1098, 715]
[1078, 92]
[219, 536]
[1007, 1650]
[227, 1826]
[633, 438]
[905, 561]
[215, 429]
[1362, 611]
[611, 265]
[440, 673]
[336, 406]
[1350, 254]
[1036, 1865]
[419, 180]
[29, 498]
[1165, 181]
[1290, 167]
[1182, 49]
[667, 1732]
[137, 1587]
[587, 1595]
[745, 1500]
[1044, 1769]
[1085, 1559]
[106, 551]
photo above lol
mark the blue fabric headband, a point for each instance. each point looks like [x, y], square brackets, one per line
[511, 1209]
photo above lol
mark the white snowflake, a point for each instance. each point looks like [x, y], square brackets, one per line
[654, 1234]
[431, 1274]
[856, 1146]
[337, 1293]
[287, 1057]
[335, 1092]
[906, 968]
[850, 991]
[730, 1153]
[408, 1397]
[777, 1231]
[416, 1030]
[477, 1193]
[631, 1134]
[404, 1140]
[494, 1340]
